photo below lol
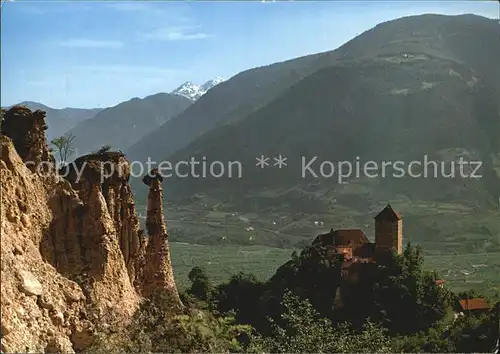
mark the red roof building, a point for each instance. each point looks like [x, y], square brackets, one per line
[474, 304]
[342, 237]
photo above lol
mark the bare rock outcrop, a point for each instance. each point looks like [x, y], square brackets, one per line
[158, 271]
[72, 254]
[27, 131]
[101, 182]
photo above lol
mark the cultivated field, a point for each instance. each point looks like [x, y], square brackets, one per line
[480, 271]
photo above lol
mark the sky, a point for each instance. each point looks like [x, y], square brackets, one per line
[88, 54]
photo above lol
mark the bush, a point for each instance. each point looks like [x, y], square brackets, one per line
[157, 328]
[103, 149]
[303, 330]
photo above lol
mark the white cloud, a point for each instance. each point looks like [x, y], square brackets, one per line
[154, 71]
[153, 11]
[40, 8]
[90, 43]
[37, 83]
[161, 21]
[128, 6]
[175, 34]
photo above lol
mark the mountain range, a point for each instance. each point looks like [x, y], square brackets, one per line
[126, 123]
[129, 121]
[59, 121]
[415, 87]
[405, 87]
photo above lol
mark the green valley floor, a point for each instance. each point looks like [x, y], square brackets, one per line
[478, 271]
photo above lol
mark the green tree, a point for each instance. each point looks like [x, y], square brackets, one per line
[434, 340]
[201, 287]
[241, 296]
[474, 334]
[64, 145]
[303, 330]
[404, 290]
[312, 275]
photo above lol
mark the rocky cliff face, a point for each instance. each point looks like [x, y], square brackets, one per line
[73, 255]
[42, 310]
[101, 183]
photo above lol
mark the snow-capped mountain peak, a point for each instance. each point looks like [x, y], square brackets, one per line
[211, 83]
[193, 91]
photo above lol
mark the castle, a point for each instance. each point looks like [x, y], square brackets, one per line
[357, 250]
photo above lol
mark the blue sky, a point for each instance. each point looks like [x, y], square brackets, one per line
[97, 54]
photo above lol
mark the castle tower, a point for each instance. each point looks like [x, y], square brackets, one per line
[389, 230]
